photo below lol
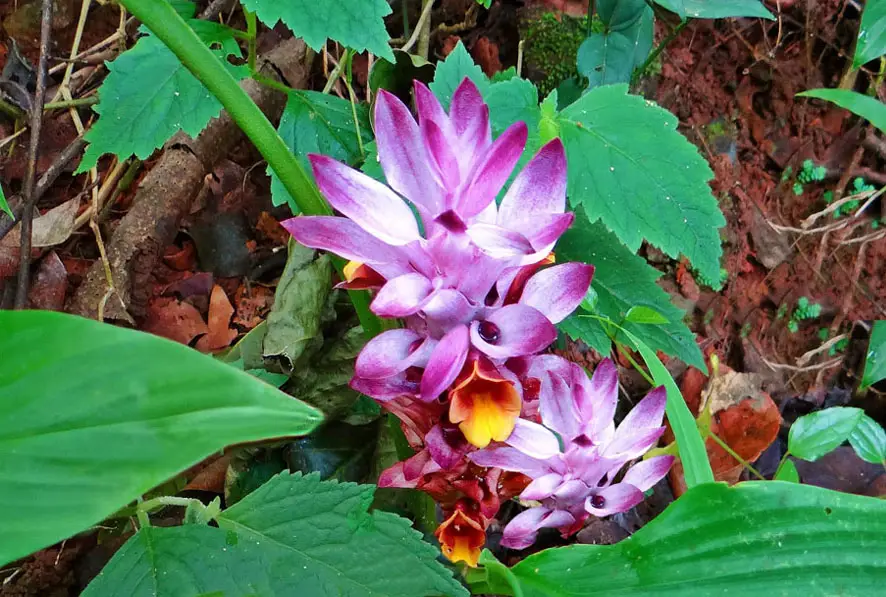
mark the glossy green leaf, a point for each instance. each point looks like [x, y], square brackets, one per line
[867, 107]
[641, 190]
[693, 455]
[293, 536]
[755, 538]
[92, 416]
[787, 472]
[814, 435]
[149, 95]
[875, 359]
[871, 34]
[641, 314]
[610, 57]
[314, 122]
[869, 440]
[623, 281]
[357, 24]
[4, 206]
[717, 9]
[619, 14]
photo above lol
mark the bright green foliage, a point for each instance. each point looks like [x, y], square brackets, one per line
[811, 173]
[315, 122]
[839, 346]
[865, 106]
[806, 310]
[552, 43]
[814, 435]
[149, 95]
[769, 537]
[295, 535]
[872, 33]
[87, 426]
[798, 189]
[4, 206]
[623, 281]
[641, 190]
[875, 360]
[787, 472]
[717, 9]
[848, 208]
[713, 284]
[610, 57]
[868, 439]
[452, 71]
[485, 3]
[357, 24]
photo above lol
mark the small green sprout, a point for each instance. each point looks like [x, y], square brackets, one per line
[798, 189]
[811, 173]
[804, 310]
[786, 175]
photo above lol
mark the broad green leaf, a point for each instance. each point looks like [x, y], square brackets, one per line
[787, 472]
[4, 206]
[717, 9]
[92, 416]
[322, 533]
[623, 281]
[315, 122]
[867, 107]
[149, 95]
[756, 538]
[618, 15]
[510, 101]
[629, 167]
[610, 57]
[641, 314]
[693, 455]
[869, 440]
[452, 71]
[814, 435]
[294, 536]
[357, 24]
[875, 360]
[872, 33]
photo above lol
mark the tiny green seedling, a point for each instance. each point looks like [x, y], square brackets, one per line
[805, 310]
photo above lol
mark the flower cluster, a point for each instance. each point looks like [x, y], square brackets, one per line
[474, 281]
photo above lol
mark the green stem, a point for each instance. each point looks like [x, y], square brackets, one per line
[171, 29]
[84, 101]
[336, 72]
[252, 35]
[165, 500]
[658, 50]
[636, 366]
[353, 98]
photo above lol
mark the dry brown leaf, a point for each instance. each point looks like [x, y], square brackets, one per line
[220, 312]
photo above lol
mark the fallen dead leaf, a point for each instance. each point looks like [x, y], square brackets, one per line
[212, 477]
[52, 228]
[271, 229]
[220, 312]
[174, 319]
[50, 284]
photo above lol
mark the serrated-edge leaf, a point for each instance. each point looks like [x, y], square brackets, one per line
[87, 426]
[357, 24]
[149, 96]
[290, 507]
[641, 190]
[867, 107]
[452, 71]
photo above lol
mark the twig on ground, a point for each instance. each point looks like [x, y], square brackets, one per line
[23, 282]
[419, 26]
[804, 359]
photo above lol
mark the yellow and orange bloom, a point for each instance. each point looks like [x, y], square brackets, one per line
[463, 534]
[359, 276]
[483, 404]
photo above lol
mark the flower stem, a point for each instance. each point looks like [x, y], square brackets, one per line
[171, 29]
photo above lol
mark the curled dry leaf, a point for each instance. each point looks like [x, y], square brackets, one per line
[50, 284]
[742, 415]
[220, 312]
[51, 229]
[176, 320]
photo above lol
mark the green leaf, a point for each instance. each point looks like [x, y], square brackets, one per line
[717, 9]
[869, 440]
[642, 314]
[315, 122]
[769, 537]
[452, 71]
[814, 435]
[787, 472]
[322, 532]
[875, 360]
[511, 101]
[4, 206]
[871, 34]
[610, 57]
[397, 77]
[693, 455]
[87, 426]
[485, 3]
[149, 95]
[618, 15]
[293, 536]
[295, 320]
[357, 24]
[623, 281]
[640, 189]
[867, 107]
